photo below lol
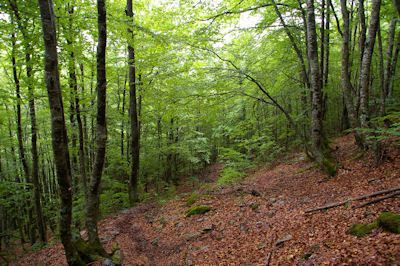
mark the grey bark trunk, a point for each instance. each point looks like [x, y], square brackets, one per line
[133, 113]
[59, 132]
[92, 211]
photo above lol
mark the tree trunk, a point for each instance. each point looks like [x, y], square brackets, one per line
[318, 143]
[366, 65]
[394, 65]
[381, 73]
[327, 45]
[92, 212]
[348, 90]
[389, 61]
[133, 113]
[59, 132]
[73, 84]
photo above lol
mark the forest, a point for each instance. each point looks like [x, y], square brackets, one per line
[199, 132]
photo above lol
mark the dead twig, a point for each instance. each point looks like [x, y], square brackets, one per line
[377, 200]
[337, 204]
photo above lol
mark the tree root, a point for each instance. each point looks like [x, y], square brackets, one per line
[91, 252]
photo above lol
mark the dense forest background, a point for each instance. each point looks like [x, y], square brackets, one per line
[151, 92]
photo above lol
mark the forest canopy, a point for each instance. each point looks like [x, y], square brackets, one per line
[105, 104]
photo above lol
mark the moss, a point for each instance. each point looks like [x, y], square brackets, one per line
[390, 222]
[329, 167]
[197, 210]
[90, 252]
[192, 199]
[361, 230]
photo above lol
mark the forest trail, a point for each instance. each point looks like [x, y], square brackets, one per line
[261, 220]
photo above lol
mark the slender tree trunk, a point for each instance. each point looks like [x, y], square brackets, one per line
[318, 145]
[59, 132]
[123, 117]
[73, 84]
[327, 45]
[322, 44]
[133, 112]
[381, 73]
[394, 66]
[92, 212]
[366, 64]
[346, 83]
[21, 148]
[389, 61]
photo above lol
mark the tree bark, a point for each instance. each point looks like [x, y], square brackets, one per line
[366, 64]
[92, 211]
[73, 84]
[394, 65]
[348, 89]
[318, 143]
[133, 113]
[389, 61]
[59, 132]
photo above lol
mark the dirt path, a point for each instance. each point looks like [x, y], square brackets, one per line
[248, 219]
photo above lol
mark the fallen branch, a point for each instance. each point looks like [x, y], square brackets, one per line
[337, 204]
[377, 200]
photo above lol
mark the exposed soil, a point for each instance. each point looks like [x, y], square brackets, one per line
[247, 221]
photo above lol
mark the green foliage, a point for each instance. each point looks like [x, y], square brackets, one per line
[114, 196]
[234, 159]
[229, 176]
[201, 209]
[384, 127]
[193, 197]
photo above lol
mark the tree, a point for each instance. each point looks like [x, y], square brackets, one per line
[366, 67]
[318, 142]
[133, 112]
[58, 129]
[92, 212]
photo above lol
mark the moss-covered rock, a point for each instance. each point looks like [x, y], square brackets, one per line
[197, 210]
[361, 230]
[390, 222]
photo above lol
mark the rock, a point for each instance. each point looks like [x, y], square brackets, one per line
[180, 224]
[361, 230]
[261, 245]
[271, 213]
[108, 262]
[272, 200]
[279, 203]
[283, 240]
[216, 235]
[255, 193]
[390, 222]
[193, 236]
[243, 227]
[204, 249]
[200, 220]
[201, 209]
[208, 228]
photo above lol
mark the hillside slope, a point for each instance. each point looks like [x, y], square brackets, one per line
[248, 219]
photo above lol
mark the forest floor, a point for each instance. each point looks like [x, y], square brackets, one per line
[262, 220]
